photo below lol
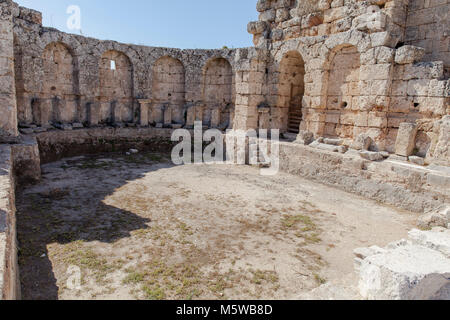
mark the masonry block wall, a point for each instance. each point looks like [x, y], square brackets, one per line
[428, 27]
[66, 80]
[333, 68]
[8, 106]
[369, 66]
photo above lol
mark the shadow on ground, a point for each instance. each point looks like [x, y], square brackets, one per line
[47, 216]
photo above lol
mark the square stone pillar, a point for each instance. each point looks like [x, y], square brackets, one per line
[190, 117]
[167, 115]
[215, 118]
[199, 113]
[93, 113]
[406, 139]
[264, 118]
[231, 121]
[104, 111]
[45, 114]
[144, 119]
[158, 114]
[115, 112]
[8, 102]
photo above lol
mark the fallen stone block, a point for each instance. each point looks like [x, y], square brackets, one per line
[437, 239]
[77, 125]
[398, 158]
[363, 253]
[417, 160]
[438, 218]
[26, 131]
[372, 156]
[305, 138]
[39, 129]
[362, 142]
[408, 272]
[406, 139]
[327, 147]
[333, 142]
[438, 180]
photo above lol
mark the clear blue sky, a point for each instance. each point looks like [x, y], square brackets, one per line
[183, 24]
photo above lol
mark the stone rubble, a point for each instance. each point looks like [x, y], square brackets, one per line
[414, 269]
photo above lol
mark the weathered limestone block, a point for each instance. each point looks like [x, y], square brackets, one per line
[333, 142]
[405, 272]
[256, 27]
[442, 150]
[167, 115]
[8, 103]
[436, 218]
[215, 117]
[263, 5]
[93, 113]
[190, 116]
[371, 21]
[264, 118]
[269, 15]
[45, 114]
[417, 160]
[27, 165]
[305, 137]
[199, 110]
[406, 139]
[144, 112]
[158, 114]
[362, 142]
[318, 144]
[372, 156]
[9, 289]
[436, 239]
[409, 54]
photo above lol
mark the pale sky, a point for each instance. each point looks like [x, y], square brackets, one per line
[207, 24]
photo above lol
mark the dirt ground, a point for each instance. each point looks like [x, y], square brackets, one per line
[137, 227]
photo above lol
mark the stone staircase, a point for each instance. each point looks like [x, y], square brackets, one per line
[295, 118]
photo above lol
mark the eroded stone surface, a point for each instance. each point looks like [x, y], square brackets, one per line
[418, 269]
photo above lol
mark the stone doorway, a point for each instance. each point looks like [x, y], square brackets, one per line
[292, 89]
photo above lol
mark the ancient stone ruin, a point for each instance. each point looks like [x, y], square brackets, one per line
[359, 90]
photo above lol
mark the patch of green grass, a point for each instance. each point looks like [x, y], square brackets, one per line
[84, 257]
[133, 278]
[308, 230]
[185, 229]
[153, 292]
[290, 221]
[260, 277]
[319, 279]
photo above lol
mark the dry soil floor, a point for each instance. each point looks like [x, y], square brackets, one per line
[137, 227]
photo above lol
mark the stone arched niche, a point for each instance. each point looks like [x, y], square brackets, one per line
[290, 92]
[342, 87]
[168, 88]
[218, 92]
[57, 100]
[116, 87]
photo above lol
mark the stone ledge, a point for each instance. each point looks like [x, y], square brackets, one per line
[9, 286]
[389, 182]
